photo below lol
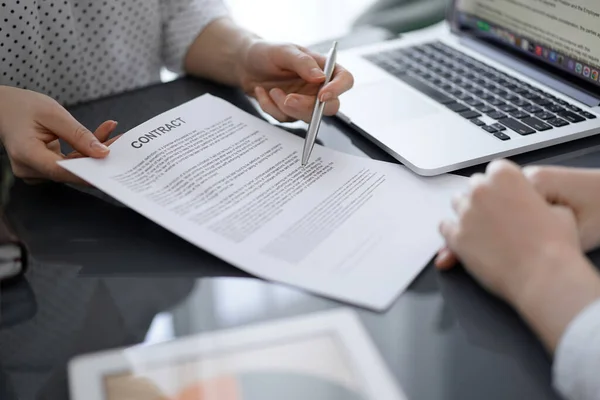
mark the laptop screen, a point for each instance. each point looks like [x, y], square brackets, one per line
[562, 34]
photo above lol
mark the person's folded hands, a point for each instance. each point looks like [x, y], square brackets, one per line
[577, 189]
[507, 234]
[31, 125]
[285, 79]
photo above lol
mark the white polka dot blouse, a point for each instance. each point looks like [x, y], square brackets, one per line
[79, 50]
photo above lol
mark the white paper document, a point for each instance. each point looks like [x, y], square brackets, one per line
[345, 227]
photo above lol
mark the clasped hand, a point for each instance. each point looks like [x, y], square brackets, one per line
[515, 228]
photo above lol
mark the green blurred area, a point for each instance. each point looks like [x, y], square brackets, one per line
[400, 16]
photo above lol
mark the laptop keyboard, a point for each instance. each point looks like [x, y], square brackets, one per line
[472, 89]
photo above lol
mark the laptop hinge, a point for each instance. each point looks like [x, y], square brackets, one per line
[536, 74]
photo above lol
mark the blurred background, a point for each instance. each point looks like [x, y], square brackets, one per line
[300, 21]
[309, 21]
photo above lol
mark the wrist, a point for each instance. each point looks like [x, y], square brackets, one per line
[218, 53]
[541, 269]
[241, 49]
[562, 283]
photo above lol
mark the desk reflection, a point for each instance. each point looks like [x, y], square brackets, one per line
[77, 315]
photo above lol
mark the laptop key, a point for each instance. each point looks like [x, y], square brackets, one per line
[487, 96]
[507, 108]
[532, 109]
[427, 90]
[519, 114]
[496, 102]
[541, 101]
[464, 97]
[571, 117]
[520, 90]
[574, 108]
[554, 108]
[474, 103]
[478, 122]
[536, 124]
[519, 102]
[470, 114]
[516, 126]
[502, 136]
[557, 122]
[545, 115]
[457, 107]
[497, 115]
[489, 128]
[485, 109]
[588, 115]
[499, 92]
[511, 97]
[499, 127]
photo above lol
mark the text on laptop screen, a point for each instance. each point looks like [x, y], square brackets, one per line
[562, 33]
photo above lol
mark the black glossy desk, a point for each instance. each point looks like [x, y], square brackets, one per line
[102, 276]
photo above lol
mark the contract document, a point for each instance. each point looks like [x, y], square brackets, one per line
[345, 227]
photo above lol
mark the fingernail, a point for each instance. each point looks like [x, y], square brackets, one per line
[276, 95]
[291, 101]
[326, 97]
[115, 123]
[441, 256]
[438, 259]
[99, 146]
[317, 73]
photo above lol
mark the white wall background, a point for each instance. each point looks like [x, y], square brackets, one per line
[300, 21]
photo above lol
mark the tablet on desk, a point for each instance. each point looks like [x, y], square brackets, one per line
[324, 356]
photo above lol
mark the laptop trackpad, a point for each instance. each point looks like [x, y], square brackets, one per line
[384, 104]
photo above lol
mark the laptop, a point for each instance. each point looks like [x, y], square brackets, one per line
[500, 78]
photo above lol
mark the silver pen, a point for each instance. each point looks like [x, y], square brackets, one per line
[317, 116]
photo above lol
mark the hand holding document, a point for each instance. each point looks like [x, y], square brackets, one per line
[345, 227]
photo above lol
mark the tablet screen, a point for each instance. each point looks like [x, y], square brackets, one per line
[306, 367]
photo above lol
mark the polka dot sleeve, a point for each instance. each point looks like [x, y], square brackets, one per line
[183, 20]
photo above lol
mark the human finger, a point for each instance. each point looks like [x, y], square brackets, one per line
[554, 184]
[300, 106]
[104, 130]
[445, 259]
[62, 124]
[294, 59]
[460, 204]
[45, 163]
[76, 154]
[268, 105]
[449, 231]
[341, 81]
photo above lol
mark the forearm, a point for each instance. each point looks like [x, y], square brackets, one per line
[549, 303]
[217, 52]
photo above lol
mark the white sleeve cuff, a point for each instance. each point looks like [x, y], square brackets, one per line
[183, 21]
[576, 369]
